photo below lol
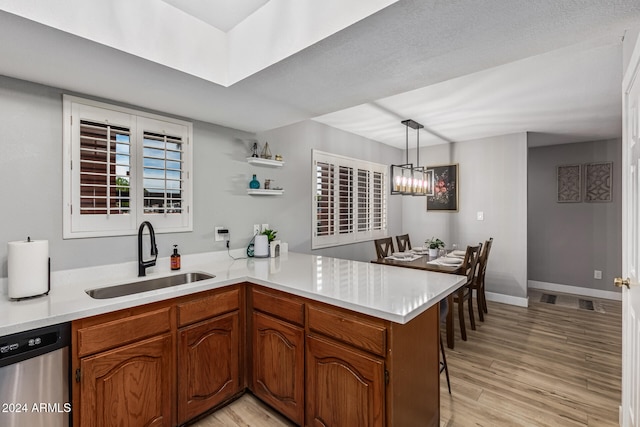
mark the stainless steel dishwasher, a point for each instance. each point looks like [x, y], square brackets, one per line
[34, 378]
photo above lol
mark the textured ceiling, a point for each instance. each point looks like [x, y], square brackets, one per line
[464, 69]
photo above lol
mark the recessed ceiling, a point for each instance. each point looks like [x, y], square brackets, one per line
[464, 69]
[222, 14]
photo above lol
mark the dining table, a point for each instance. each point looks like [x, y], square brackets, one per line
[425, 262]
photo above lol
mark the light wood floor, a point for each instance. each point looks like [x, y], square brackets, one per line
[545, 365]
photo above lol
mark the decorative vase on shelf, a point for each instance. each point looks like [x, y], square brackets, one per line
[254, 183]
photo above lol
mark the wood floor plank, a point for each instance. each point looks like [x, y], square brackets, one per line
[551, 366]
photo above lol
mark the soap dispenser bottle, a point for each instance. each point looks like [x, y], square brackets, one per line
[175, 258]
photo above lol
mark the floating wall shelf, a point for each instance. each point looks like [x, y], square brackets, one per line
[262, 192]
[265, 162]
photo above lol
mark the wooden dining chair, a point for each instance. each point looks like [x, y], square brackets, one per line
[404, 244]
[384, 247]
[465, 293]
[478, 280]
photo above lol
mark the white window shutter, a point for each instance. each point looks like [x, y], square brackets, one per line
[349, 200]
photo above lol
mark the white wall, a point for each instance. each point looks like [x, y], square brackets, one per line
[296, 141]
[31, 194]
[493, 180]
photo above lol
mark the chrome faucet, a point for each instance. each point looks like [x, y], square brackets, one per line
[142, 265]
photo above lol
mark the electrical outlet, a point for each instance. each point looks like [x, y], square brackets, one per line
[219, 237]
[597, 274]
[256, 229]
[265, 227]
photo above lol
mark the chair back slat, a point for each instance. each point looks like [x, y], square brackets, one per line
[404, 244]
[471, 257]
[384, 247]
[484, 258]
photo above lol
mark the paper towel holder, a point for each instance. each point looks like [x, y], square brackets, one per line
[48, 282]
[23, 294]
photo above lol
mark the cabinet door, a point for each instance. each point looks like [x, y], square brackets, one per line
[130, 385]
[208, 365]
[278, 365]
[345, 387]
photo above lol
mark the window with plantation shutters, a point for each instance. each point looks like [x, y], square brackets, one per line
[122, 167]
[349, 200]
[162, 173]
[105, 162]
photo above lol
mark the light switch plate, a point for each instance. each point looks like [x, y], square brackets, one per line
[597, 274]
[265, 227]
[480, 216]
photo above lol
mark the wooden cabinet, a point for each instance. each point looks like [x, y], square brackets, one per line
[161, 364]
[345, 387]
[345, 369]
[277, 344]
[128, 386]
[208, 365]
[164, 364]
[278, 365]
[123, 364]
[209, 356]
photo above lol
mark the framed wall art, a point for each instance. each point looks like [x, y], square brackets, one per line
[569, 188]
[445, 189]
[598, 178]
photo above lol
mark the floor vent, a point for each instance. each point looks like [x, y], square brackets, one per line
[548, 298]
[585, 304]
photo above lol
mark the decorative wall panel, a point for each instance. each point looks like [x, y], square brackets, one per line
[569, 183]
[598, 182]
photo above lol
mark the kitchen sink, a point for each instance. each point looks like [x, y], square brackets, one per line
[147, 285]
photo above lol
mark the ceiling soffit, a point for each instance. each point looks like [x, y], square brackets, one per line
[163, 33]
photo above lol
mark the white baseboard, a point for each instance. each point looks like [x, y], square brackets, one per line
[575, 290]
[507, 299]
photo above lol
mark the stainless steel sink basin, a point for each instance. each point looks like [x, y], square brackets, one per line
[147, 285]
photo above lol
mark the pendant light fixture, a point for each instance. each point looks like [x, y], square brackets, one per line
[406, 179]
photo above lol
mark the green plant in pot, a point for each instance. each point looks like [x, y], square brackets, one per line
[271, 234]
[434, 244]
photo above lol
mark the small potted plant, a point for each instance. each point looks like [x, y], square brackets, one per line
[271, 234]
[434, 245]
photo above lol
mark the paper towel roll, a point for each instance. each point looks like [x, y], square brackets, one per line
[28, 268]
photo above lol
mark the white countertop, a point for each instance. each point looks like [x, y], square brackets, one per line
[387, 292]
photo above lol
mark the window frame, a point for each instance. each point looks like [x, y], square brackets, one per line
[77, 110]
[375, 226]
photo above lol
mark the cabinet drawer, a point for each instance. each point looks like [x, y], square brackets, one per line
[103, 336]
[208, 306]
[278, 306]
[349, 329]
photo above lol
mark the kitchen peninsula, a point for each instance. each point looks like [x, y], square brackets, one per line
[356, 343]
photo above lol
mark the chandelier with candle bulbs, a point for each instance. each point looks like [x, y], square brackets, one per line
[409, 180]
